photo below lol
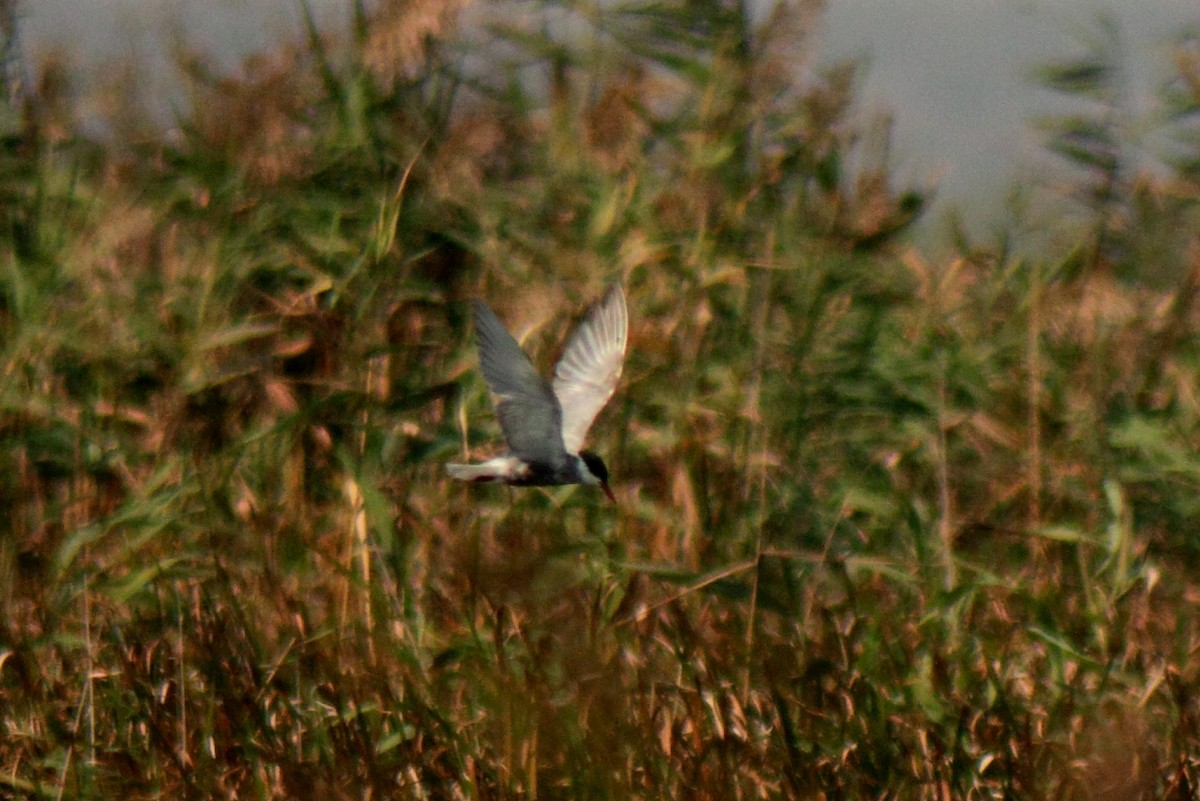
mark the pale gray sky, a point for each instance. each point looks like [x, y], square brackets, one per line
[955, 73]
[952, 72]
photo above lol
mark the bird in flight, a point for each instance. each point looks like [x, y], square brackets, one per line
[544, 423]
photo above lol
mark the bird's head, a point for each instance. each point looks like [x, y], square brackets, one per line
[596, 472]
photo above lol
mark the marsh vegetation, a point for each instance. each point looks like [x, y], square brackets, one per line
[888, 526]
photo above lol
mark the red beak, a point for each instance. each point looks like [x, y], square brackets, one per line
[608, 491]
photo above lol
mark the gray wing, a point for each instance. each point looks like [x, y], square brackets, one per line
[529, 413]
[590, 366]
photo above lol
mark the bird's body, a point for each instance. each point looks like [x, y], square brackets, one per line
[543, 423]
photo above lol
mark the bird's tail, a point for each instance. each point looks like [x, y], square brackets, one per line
[472, 472]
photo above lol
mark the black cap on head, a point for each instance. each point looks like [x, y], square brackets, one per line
[595, 464]
[597, 468]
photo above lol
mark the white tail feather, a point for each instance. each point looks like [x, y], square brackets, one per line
[471, 472]
[498, 469]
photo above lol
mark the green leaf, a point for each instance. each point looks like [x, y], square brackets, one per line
[237, 334]
[1062, 533]
[123, 590]
[1086, 76]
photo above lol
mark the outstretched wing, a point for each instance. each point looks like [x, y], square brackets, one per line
[528, 410]
[587, 373]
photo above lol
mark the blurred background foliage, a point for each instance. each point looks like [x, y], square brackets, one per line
[887, 527]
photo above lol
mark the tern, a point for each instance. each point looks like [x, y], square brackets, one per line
[544, 423]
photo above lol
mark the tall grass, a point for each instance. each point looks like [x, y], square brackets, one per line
[886, 528]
